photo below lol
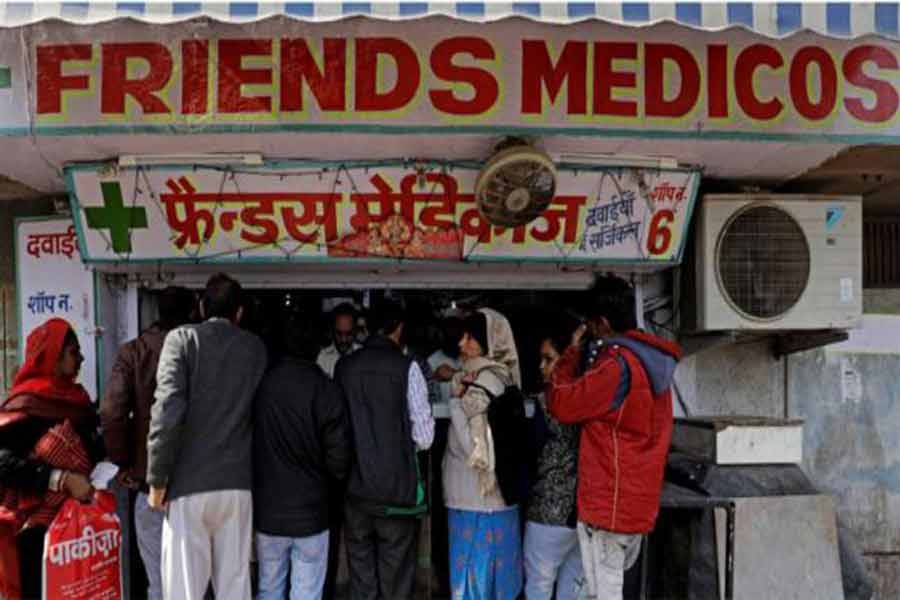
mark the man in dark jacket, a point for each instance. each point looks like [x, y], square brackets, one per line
[618, 389]
[200, 448]
[387, 401]
[125, 416]
[301, 442]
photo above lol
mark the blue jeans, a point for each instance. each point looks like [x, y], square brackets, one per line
[552, 555]
[148, 525]
[304, 559]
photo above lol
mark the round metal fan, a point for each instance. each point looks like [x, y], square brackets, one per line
[763, 261]
[515, 186]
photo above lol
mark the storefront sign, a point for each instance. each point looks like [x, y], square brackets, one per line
[337, 212]
[53, 282]
[363, 75]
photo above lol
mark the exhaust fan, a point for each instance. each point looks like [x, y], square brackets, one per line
[516, 185]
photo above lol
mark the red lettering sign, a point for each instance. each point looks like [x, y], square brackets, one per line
[115, 82]
[886, 98]
[326, 84]
[655, 56]
[195, 77]
[826, 76]
[51, 83]
[233, 75]
[484, 85]
[717, 81]
[368, 51]
[465, 78]
[606, 79]
[748, 61]
[538, 71]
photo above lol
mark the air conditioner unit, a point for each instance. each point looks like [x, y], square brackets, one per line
[778, 262]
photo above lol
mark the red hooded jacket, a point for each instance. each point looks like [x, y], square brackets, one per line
[624, 405]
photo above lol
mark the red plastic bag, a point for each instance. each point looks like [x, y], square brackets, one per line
[83, 551]
[9, 558]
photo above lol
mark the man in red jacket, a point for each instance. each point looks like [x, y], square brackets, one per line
[617, 387]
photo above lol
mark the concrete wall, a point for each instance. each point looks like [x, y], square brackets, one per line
[10, 210]
[851, 436]
[849, 396]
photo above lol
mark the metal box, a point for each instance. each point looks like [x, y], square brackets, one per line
[734, 440]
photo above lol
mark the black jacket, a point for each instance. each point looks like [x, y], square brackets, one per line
[375, 381]
[301, 444]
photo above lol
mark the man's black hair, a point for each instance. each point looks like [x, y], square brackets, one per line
[344, 309]
[559, 334]
[612, 298]
[451, 333]
[300, 336]
[388, 315]
[223, 297]
[176, 304]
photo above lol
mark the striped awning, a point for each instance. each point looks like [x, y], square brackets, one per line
[776, 19]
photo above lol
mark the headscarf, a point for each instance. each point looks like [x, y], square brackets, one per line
[501, 344]
[37, 377]
[501, 360]
[39, 392]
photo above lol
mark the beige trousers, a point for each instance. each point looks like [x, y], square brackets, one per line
[208, 537]
[605, 557]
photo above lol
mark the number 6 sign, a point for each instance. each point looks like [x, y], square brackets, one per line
[659, 238]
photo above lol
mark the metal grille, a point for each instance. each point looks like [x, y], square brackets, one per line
[881, 255]
[763, 262]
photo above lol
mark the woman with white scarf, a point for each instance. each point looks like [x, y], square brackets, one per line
[485, 546]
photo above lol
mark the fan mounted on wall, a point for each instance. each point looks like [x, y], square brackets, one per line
[516, 185]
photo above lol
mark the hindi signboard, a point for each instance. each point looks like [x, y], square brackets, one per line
[53, 282]
[304, 211]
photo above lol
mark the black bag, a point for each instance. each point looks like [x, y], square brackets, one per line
[509, 428]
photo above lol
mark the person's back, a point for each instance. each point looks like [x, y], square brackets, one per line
[301, 449]
[125, 418]
[618, 388]
[375, 381]
[301, 441]
[200, 460]
[387, 402]
[125, 407]
[224, 364]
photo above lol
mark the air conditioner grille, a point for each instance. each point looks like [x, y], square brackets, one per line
[763, 262]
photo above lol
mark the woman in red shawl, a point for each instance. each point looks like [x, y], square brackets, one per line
[48, 444]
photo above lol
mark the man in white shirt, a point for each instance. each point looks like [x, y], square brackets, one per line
[343, 334]
[445, 361]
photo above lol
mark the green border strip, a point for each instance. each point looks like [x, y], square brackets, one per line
[687, 220]
[273, 165]
[176, 129]
[20, 350]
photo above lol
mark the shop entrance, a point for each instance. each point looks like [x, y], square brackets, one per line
[533, 315]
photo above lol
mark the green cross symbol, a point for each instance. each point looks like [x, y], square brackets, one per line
[114, 215]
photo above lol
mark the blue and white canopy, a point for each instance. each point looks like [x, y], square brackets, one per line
[775, 19]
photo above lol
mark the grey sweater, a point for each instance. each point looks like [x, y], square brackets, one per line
[201, 422]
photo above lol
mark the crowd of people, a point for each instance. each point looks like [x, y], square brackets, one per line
[225, 446]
